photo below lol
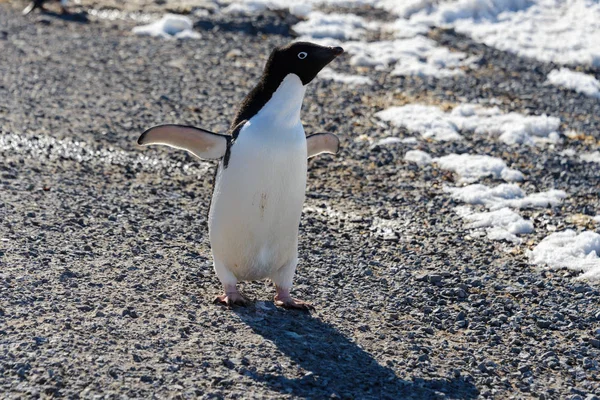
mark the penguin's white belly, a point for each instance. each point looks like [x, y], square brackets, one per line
[257, 202]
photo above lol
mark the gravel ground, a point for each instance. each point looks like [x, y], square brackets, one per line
[106, 280]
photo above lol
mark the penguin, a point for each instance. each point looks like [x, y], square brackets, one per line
[260, 181]
[40, 4]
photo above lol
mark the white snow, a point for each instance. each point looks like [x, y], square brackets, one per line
[353, 80]
[502, 224]
[335, 26]
[562, 31]
[429, 121]
[471, 167]
[388, 140]
[404, 29]
[417, 56]
[591, 157]
[577, 81]
[249, 7]
[510, 128]
[169, 26]
[568, 249]
[505, 195]
[417, 156]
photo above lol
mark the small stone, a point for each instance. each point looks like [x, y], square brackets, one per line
[542, 323]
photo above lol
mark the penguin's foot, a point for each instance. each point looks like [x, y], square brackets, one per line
[283, 299]
[231, 297]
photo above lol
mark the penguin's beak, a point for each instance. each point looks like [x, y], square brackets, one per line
[336, 50]
[328, 54]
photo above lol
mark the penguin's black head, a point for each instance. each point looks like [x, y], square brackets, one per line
[301, 58]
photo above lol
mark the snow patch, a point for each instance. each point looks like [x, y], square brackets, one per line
[570, 250]
[511, 128]
[429, 121]
[471, 167]
[577, 81]
[505, 195]
[564, 32]
[502, 224]
[250, 7]
[416, 56]
[417, 156]
[336, 26]
[168, 27]
[353, 80]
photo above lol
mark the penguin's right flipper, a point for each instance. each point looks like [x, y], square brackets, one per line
[322, 143]
[201, 143]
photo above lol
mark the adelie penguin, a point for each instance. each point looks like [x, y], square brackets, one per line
[260, 183]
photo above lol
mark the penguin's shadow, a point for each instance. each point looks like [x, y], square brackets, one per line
[335, 365]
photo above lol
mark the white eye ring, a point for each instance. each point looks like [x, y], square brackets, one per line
[302, 55]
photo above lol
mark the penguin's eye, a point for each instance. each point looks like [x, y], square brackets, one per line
[302, 55]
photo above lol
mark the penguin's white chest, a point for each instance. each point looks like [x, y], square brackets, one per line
[257, 201]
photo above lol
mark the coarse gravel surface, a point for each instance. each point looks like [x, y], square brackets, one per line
[106, 281]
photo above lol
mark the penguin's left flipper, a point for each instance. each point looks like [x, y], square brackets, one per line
[322, 143]
[200, 142]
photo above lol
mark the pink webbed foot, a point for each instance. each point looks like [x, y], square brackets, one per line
[231, 297]
[283, 299]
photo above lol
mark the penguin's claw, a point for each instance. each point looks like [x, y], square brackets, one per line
[291, 303]
[231, 299]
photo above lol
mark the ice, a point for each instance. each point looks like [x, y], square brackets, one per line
[418, 156]
[591, 157]
[510, 128]
[353, 80]
[471, 167]
[502, 224]
[505, 195]
[169, 26]
[577, 81]
[568, 249]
